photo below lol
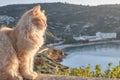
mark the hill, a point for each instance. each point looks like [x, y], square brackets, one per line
[67, 20]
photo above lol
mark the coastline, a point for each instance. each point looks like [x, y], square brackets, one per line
[62, 46]
[52, 65]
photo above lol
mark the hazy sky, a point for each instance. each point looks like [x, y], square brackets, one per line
[84, 2]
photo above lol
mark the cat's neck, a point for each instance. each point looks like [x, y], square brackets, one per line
[29, 29]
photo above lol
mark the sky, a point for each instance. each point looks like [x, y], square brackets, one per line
[83, 2]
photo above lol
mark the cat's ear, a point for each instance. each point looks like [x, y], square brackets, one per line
[36, 10]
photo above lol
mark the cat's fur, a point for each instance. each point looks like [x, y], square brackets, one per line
[19, 45]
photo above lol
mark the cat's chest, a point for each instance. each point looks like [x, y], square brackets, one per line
[35, 40]
[29, 41]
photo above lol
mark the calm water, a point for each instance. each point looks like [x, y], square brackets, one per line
[102, 54]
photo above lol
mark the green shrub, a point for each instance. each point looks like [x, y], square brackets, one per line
[86, 72]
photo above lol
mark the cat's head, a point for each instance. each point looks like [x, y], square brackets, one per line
[34, 17]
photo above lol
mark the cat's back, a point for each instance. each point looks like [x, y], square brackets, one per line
[5, 45]
[4, 36]
[4, 31]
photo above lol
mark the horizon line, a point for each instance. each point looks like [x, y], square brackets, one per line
[57, 2]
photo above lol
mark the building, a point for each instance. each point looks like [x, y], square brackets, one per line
[85, 38]
[101, 35]
[79, 38]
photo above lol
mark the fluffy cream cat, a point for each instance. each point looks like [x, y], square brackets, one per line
[19, 45]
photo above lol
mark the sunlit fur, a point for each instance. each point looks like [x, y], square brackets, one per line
[19, 45]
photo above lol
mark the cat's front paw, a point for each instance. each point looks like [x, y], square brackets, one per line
[34, 73]
[31, 76]
[18, 78]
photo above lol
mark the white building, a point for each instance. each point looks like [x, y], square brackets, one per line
[89, 38]
[106, 35]
[97, 37]
[79, 38]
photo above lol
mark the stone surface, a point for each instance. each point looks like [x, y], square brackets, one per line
[57, 77]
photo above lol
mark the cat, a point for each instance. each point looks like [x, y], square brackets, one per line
[18, 46]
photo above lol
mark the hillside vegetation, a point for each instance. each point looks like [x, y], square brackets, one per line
[67, 20]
